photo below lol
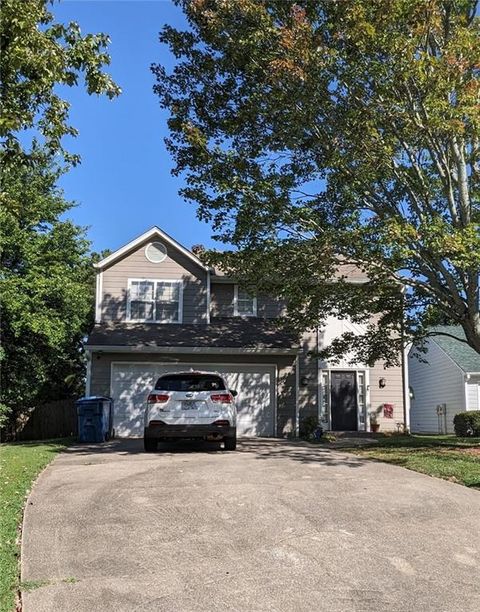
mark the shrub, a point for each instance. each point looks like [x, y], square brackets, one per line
[310, 428]
[329, 437]
[467, 423]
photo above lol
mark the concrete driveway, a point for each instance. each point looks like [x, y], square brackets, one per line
[275, 526]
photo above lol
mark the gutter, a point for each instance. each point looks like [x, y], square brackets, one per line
[141, 348]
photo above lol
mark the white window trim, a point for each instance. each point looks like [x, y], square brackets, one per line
[324, 395]
[155, 281]
[153, 242]
[235, 305]
[362, 410]
[323, 398]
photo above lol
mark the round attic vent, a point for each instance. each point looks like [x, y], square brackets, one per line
[155, 252]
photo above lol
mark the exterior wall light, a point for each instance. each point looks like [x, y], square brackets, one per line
[382, 383]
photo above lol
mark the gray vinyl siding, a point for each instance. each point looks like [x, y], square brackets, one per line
[221, 300]
[269, 307]
[439, 381]
[100, 383]
[175, 267]
[308, 371]
[222, 295]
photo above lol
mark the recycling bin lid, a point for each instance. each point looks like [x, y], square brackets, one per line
[93, 398]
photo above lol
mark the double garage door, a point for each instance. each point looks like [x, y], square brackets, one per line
[255, 384]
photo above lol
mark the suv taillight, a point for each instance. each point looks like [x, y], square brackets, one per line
[157, 398]
[224, 398]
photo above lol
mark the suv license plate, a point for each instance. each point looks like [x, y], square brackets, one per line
[189, 405]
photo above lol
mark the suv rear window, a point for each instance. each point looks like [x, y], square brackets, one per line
[190, 382]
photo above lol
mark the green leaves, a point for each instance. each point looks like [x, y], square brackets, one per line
[328, 131]
[47, 292]
[37, 56]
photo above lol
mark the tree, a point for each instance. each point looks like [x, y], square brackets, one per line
[323, 134]
[46, 280]
[37, 56]
[47, 295]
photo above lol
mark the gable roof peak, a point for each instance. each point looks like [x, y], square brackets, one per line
[154, 231]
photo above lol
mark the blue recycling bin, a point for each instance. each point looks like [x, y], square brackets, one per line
[95, 419]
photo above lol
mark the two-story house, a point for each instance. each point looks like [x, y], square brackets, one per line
[159, 309]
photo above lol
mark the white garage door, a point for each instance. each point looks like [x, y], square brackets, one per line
[131, 383]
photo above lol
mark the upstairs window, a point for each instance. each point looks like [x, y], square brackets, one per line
[244, 304]
[156, 252]
[154, 301]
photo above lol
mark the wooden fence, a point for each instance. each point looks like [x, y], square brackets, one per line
[53, 420]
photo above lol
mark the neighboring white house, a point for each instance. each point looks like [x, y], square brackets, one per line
[448, 383]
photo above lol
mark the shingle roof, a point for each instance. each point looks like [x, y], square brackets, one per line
[462, 354]
[221, 333]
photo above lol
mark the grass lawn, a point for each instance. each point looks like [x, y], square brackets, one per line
[449, 457]
[20, 463]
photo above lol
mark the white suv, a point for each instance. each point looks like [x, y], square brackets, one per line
[191, 405]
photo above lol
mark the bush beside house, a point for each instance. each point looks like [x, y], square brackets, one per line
[467, 423]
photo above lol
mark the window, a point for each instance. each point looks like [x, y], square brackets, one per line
[167, 301]
[325, 397]
[244, 304]
[362, 403]
[156, 252]
[142, 304]
[155, 301]
[190, 382]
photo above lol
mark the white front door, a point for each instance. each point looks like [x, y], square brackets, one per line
[255, 384]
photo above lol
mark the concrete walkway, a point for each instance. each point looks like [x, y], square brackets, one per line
[273, 527]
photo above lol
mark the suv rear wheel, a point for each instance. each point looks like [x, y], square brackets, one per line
[230, 443]
[150, 444]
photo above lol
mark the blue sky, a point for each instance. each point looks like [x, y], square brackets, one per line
[123, 185]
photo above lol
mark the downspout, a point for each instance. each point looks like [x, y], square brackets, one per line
[406, 389]
[317, 373]
[88, 379]
[208, 297]
[406, 386]
[297, 387]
